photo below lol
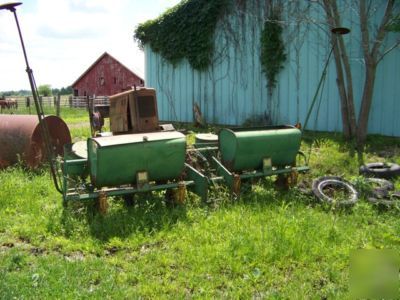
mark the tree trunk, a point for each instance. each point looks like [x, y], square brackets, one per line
[340, 56]
[343, 59]
[343, 95]
[351, 114]
[362, 128]
[371, 61]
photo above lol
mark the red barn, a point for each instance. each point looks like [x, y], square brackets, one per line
[106, 77]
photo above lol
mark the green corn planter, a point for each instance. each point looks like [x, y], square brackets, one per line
[248, 149]
[75, 162]
[117, 160]
[247, 153]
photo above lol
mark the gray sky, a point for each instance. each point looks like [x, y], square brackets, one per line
[64, 37]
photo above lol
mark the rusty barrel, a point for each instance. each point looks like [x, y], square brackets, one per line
[21, 136]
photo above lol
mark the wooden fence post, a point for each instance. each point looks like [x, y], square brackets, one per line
[28, 104]
[58, 100]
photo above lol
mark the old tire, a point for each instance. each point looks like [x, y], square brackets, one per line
[387, 201]
[380, 170]
[383, 187]
[321, 183]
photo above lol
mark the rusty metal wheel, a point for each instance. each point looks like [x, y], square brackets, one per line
[176, 195]
[293, 178]
[102, 204]
[282, 182]
[237, 184]
[180, 194]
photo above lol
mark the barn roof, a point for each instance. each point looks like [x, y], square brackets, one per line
[97, 61]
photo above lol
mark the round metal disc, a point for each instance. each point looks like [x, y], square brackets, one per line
[206, 137]
[10, 6]
[80, 149]
[340, 30]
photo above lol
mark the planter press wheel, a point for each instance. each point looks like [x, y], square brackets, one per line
[176, 195]
[102, 203]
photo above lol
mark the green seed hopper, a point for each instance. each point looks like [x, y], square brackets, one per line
[244, 149]
[126, 164]
[245, 153]
[117, 160]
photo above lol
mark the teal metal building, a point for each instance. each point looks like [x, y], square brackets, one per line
[233, 90]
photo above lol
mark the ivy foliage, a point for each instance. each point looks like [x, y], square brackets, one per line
[273, 53]
[394, 25]
[184, 31]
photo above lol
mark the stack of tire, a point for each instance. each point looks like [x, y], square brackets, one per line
[379, 175]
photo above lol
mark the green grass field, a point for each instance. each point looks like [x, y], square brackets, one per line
[268, 244]
[69, 115]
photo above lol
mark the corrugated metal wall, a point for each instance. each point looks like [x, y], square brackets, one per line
[234, 88]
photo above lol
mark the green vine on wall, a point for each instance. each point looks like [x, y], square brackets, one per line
[184, 31]
[273, 53]
[394, 24]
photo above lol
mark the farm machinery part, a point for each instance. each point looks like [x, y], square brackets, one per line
[246, 153]
[21, 138]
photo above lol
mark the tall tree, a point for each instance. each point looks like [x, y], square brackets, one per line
[45, 90]
[374, 51]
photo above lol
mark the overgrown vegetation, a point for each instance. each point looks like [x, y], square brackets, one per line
[184, 31]
[394, 24]
[273, 54]
[268, 244]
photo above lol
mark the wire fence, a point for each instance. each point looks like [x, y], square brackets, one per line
[53, 101]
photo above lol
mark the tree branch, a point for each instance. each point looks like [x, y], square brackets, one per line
[387, 51]
[382, 28]
[364, 29]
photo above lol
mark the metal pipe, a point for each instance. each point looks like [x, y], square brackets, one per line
[125, 191]
[336, 31]
[39, 109]
[202, 149]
